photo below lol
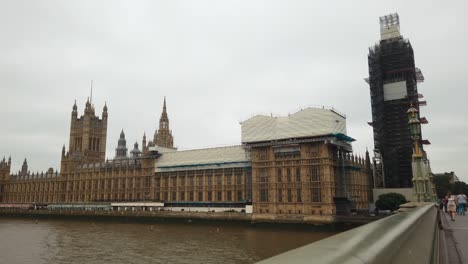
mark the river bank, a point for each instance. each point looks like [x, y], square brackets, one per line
[341, 222]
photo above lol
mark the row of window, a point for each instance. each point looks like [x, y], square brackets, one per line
[93, 143]
[132, 182]
[110, 174]
[287, 196]
[181, 180]
[183, 196]
[313, 176]
[288, 152]
[209, 196]
[108, 184]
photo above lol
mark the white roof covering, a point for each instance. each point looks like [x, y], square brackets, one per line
[138, 204]
[309, 122]
[197, 157]
[162, 149]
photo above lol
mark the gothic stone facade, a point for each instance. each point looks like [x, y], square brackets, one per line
[305, 176]
[285, 174]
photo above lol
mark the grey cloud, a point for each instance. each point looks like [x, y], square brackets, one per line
[218, 63]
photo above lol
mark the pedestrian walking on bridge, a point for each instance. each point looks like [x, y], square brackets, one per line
[461, 199]
[451, 205]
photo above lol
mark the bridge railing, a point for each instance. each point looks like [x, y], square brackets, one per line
[410, 236]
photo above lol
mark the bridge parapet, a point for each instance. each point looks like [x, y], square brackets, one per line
[410, 236]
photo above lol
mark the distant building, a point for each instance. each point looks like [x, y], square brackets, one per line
[301, 164]
[393, 79]
[451, 176]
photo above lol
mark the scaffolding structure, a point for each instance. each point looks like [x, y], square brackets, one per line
[391, 63]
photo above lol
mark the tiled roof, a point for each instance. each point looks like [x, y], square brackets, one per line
[310, 122]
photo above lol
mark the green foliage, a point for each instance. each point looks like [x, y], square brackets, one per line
[390, 201]
[443, 186]
[459, 187]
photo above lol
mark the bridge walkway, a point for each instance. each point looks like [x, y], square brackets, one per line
[455, 238]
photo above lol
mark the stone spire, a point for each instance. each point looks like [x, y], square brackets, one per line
[104, 110]
[24, 168]
[75, 110]
[163, 136]
[121, 150]
[370, 176]
[143, 145]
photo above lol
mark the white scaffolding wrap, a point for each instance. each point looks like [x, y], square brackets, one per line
[203, 157]
[310, 122]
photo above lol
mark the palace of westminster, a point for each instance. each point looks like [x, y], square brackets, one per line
[300, 164]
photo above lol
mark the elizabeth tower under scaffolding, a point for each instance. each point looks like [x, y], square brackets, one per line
[393, 80]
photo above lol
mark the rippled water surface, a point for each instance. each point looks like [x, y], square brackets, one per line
[28, 241]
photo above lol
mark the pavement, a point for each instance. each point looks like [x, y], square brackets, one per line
[454, 239]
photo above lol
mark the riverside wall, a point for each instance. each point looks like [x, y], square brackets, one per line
[171, 216]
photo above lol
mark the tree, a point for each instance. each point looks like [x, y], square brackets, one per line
[442, 185]
[390, 201]
[459, 187]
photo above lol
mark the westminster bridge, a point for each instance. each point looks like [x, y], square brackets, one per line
[418, 233]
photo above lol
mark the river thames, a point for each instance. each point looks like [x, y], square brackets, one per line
[29, 241]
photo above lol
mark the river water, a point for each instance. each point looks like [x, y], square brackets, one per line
[29, 241]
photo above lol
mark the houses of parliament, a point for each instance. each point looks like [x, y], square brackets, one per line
[300, 164]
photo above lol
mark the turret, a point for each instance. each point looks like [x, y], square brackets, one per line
[4, 176]
[143, 145]
[63, 151]
[88, 107]
[24, 168]
[87, 143]
[104, 111]
[135, 152]
[74, 111]
[121, 150]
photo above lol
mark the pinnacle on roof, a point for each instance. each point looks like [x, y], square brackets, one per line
[412, 109]
[164, 112]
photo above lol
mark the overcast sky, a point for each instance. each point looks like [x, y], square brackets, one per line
[218, 63]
